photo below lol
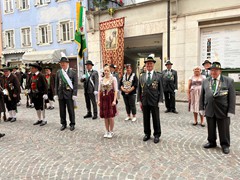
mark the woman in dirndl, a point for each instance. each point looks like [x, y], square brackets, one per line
[107, 98]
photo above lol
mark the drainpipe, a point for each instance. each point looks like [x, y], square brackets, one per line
[168, 30]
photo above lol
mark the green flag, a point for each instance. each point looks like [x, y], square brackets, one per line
[79, 33]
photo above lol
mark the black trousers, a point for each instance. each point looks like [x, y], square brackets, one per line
[147, 111]
[90, 97]
[130, 103]
[223, 130]
[170, 100]
[63, 103]
[37, 100]
[11, 105]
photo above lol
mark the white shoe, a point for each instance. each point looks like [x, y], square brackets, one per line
[106, 135]
[110, 135]
[134, 119]
[127, 118]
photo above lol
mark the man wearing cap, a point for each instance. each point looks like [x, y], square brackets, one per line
[50, 77]
[66, 92]
[150, 93]
[217, 101]
[11, 92]
[90, 79]
[206, 72]
[170, 86]
[38, 91]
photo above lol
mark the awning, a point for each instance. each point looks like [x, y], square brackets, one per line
[46, 57]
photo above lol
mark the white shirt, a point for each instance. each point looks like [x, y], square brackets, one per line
[217, 82]
[150, 74]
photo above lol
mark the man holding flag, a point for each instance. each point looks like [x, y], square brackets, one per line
[66, 92]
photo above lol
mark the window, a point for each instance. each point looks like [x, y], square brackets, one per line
[65, 31]
[26, 37]
[8, 39]
[8, 6]
[41, 2]
[22, 4]
[44, 34]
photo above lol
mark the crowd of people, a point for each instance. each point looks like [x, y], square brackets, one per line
[210, 95]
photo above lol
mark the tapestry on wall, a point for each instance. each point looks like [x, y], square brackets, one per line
[112, 43]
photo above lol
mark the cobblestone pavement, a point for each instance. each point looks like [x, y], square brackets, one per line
[34, 152]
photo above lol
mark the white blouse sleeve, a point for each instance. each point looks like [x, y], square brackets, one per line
[115, 84]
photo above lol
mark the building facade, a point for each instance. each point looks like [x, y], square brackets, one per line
[199, 30]
[38, 30]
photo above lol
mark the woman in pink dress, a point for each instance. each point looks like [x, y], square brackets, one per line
[194, 91]
[107, 97]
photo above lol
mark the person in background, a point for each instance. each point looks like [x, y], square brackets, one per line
[2, 105]
[107, 97]
[11, 92]
[116, 75]
[28, 75]
[170, 86]
[150, 93]
[128, 85]
[206, 72]
[143, 70]
[38, 91]
[90, 80]
[194, 91]
[66, 84]
[50, 77]
[19, 77]
[218, 101]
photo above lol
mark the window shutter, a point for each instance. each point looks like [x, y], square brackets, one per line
[48, 1]
[37, 35]
[59, 33]
[11, 5]
[12, 40]
[49, 33]
[4, 39]
[71, 30]
[6, 6]
[17, 4]
[22, 38]
[37, 2]
[28, 4]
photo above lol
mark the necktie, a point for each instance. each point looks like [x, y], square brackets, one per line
[214, 85]
[168, 74]
[149, 78]
[207, 73]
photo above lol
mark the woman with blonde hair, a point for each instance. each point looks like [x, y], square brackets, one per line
[194, 91]
[107, 98]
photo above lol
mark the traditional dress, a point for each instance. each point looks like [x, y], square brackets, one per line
[107, 90]
[195, 92]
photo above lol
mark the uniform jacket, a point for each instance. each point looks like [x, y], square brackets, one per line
[52, 82]
[222, 102]
[13, 86]
[170, 84]
[205, 73]
[41, 84]
[116, 75]
[152, 94]
[19, 76]
[28, 80]
[91, 83]
[61, 89]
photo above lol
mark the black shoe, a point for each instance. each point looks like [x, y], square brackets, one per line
[203, 125]
[43, 123]
[38, 122]
[167, 111]
[13, 119]
[225, 149]
[63, 127]
[1, 135]
[174, 111]
[72, 127]
[51, 108]
[194, 124]
[94, 117]
[156, 140]
[87, 116]
[8, 119]
[209, 145]
[146, 137]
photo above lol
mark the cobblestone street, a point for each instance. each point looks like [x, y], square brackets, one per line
[34, 152]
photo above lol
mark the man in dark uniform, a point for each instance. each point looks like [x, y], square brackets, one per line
[170, 86]
[66, 92]
[28, 75]
[150, 93]
[206, 72]
[50, 77]
[19, 77]
[217, 102]
[12, 92]
[38, 91]
[90, 79]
